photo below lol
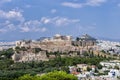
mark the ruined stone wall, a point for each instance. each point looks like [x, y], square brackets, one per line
[26, 56]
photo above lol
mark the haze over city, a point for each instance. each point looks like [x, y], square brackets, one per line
[31, 19]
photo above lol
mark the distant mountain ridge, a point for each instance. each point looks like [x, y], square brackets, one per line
[7, 40]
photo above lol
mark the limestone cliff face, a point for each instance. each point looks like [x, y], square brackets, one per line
[25, 56]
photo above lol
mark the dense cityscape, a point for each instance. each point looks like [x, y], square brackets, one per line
[84, 57]
[59, 40]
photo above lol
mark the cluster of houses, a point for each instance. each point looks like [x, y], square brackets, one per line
[62, 44]
[110, 47]
[66, 44]
[110, 71]
[6, 45]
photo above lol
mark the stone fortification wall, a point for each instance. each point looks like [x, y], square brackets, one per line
[24, 56]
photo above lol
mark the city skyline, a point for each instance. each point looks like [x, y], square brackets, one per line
[32, 19]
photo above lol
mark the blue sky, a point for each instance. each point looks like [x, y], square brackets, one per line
[32, 19]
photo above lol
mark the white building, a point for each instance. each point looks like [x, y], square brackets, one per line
[6, 45]
[114, 73]
[110, 64]
[109, 46]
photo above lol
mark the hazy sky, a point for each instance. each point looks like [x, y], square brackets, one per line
[31, 19]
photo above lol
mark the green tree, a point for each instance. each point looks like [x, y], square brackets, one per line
[88, 69]
[26, 77]
[77, 39]
[99, 66]
[116, 67]
[7, 53]
[55, 75]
